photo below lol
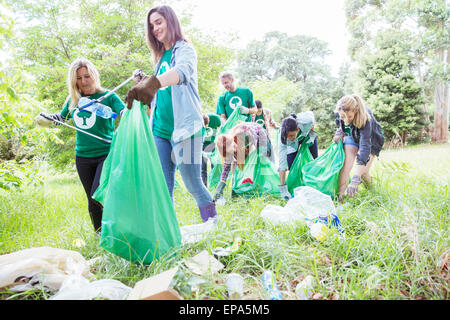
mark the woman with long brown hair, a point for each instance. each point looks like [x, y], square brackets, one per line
[175, 113]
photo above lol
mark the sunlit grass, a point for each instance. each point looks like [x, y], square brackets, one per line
[396, 231]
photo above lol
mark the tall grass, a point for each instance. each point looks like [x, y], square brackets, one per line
[396, 232]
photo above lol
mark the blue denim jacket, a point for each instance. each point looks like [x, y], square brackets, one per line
[187, 114]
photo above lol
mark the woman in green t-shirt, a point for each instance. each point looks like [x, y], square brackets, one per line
[90, 152]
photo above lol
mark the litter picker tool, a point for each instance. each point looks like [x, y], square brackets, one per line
[72, 127]
[136, 73]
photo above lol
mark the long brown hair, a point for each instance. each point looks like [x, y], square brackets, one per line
[173, 29]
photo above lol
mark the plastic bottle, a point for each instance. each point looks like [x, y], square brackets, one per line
[303, 291]
[271, 286]
[235, 286]
[100, 109]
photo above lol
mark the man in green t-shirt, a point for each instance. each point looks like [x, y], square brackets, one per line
[212, 124]
[234, 97]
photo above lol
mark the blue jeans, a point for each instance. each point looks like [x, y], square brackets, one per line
[348, 140]
[187, 156]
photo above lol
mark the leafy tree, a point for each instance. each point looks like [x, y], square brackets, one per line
[298, 58]
[424, 25]
[289, 74]
[392, 92]
[111, 35]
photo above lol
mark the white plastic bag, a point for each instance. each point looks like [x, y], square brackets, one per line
[79, 288]
[314, 203]
[41, 268]
[197, 232]
[279, 215]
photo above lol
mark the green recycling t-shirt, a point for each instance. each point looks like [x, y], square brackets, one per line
[214, 124]
[86, 145]
[229, 101]
[163, 114]
[260, 117]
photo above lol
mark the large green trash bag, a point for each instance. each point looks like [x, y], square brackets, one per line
[295, 176]
[258, 177]
[323, 172]
[139, 221]
[214, 175]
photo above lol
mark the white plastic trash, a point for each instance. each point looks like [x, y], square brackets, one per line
[197, 232]
[79, 288]
[303, 291]
[235, 286]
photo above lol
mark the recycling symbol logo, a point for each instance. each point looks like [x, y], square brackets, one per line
[163, 69]
[84, 119]
[235, 102]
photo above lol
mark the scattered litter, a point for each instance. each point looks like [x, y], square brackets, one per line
[309, 205]
[156, 287]
[303, 291]
[197, 232]
[79, 288]
[221, 201]
[233, 247]
[203, 263]
[235, 286]
[319, 230]
[270, 284]
[41, 268]
[78, 243]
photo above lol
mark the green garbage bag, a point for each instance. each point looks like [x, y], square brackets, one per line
[295, 177]
[258, 177]
[139, 221]
[323, 172]
[214, 175]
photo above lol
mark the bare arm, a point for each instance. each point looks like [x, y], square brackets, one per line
[282, 177]
[169, 78]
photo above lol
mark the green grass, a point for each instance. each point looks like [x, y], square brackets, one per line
[396, 232]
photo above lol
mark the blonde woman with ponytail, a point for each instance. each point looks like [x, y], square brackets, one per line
[363, 139]
[83, 80]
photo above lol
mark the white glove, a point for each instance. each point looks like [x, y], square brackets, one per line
[243, 110]
[284, 192]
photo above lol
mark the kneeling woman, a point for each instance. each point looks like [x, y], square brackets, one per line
[363, 139]
[235, 146]
[295, 130]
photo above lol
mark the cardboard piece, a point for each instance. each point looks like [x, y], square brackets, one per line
[203, 263]
[156, 288]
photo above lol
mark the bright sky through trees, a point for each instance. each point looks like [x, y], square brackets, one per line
[251, 19]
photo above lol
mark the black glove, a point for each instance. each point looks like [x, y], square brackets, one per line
[53, 117]
[144, 91]
[219, 190]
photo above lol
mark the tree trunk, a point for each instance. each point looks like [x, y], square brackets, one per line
[441, 99]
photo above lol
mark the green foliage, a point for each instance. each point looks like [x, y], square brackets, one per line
[19, 140]
[395, 242]
[391, 91]
[112, 36]
[421, 28]
[288, 74]
[298, 58]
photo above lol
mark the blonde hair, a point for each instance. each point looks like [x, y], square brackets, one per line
[353, 102]
[74, 91]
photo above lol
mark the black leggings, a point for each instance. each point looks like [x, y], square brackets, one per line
[89, 171]
[314, 149]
